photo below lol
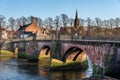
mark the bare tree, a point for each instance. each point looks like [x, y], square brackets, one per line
[30, 19]
[17, 23]
[71, 21]
[24, 20]
[12, 22]
[98, 21]
[57, 22]
[89, 21]
[81, 22]
[1, 20]
[39, 21]
[64, 20]
[111, 22]
[117, 22]
[106, 27]
[48, 22]
[4, 24]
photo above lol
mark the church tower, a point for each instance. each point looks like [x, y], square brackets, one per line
[76, 21]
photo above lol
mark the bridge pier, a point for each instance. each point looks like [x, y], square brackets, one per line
[16, 53]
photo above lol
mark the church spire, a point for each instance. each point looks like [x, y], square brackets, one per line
[76, 21]
[76, 16]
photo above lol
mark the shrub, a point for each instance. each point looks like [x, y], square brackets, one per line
[22, 56]
[32, 58]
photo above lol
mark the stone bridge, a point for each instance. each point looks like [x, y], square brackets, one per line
[99, 51]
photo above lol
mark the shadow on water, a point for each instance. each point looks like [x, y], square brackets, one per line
[22, 70]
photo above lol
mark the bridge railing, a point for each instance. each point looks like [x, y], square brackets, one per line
[71, 37]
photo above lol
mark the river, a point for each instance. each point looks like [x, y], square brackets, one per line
[14, 69]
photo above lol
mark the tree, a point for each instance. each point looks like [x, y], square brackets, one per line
[111, 22]
[3, 23]
[81, 22]
[89, 21]
[23, 19]
[48, 22]
[30, 19]
[117, 22]
[71, 21]
[98, 21]
[64, 20]
[18, 23]
[12, 22]
[38, 21]
[57, 22]
[104, 23]
[1, 20]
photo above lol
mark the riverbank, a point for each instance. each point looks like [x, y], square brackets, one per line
[5, 55]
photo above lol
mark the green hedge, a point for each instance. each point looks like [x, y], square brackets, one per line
[22, 55]
[32, 58]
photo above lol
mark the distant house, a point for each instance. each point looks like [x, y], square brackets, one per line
[28, 30]
[6, 34]
[2, 30]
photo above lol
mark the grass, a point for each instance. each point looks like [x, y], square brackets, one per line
[6, 52]
[45, 60]
[73, 65]
[56, 63]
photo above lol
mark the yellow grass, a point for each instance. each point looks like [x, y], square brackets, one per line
[6, 52]
[56, 62]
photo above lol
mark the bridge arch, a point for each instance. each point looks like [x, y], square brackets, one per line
[74, 53]
[44, 51]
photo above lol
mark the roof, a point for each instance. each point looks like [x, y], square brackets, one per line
[23, 27]
[33, 28]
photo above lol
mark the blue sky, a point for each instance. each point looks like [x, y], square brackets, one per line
[103, 9]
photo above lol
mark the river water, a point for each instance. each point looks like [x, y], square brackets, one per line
[21, 70]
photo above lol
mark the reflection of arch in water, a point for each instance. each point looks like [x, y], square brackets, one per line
[73, 52]
[45, 51]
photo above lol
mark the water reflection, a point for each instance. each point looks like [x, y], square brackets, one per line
[19, 70]
[22, 70]
[6, 57]
[67, 75]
